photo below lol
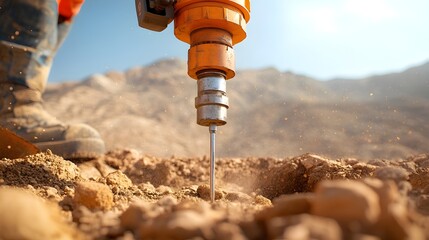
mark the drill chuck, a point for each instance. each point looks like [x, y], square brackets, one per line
[211, 102]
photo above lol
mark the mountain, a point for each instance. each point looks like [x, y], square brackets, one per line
[271, 113]
[410, 84]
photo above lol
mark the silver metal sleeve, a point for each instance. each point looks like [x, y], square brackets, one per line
[212, 103]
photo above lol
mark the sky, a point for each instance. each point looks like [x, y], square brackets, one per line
[323, 39]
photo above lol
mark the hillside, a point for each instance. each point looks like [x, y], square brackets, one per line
[271, 113]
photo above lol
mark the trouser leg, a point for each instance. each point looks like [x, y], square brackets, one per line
[30, 35]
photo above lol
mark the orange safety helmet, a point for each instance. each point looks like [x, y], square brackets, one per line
[69, 8]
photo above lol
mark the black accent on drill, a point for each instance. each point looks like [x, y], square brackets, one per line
[210, 72]
[158, 10]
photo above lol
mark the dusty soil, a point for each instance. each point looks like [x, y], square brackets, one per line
[125, 195]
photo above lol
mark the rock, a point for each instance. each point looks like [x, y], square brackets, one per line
[387, 191]
[88, 171]
[261, 200]
[136, 213]
[189, 204]
[167, 202]
[287, 205]
[228, 231]
[346, 202]
[103, 168]
[93, 195]
[311, 161]
[363, 168]
[285, 178]
[409, 166]
[97, 224]
[423, 203]
[184, 224]
[420, 178]
[421, 160]
[396, 174]
[26, 216]
[119, 179]
[404, 188]
[204, 193]
[303, 227]
[398, 225]
[237, 197]
[365, 237]
[253, 230]
[164, 190]
[51, 192]
[147, 187]
[394, 222]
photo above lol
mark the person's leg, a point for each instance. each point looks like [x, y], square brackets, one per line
[30, 35]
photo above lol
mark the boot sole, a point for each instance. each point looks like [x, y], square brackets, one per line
[76, 149]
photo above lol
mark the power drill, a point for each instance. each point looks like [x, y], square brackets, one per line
[211, 28]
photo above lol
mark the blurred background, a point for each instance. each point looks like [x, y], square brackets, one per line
[371, 55]
[321, 39]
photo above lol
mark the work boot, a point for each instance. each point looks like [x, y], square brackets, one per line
[22, 112]
[31, 31]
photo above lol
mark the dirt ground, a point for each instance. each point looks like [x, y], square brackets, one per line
[125, 195]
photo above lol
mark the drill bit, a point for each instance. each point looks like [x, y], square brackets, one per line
[212, 130]
[212, 105]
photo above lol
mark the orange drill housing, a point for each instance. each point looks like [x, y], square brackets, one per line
[211, 28]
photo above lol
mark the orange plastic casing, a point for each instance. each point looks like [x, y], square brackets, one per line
[211, 28]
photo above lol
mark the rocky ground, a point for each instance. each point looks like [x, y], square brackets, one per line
[125, 195]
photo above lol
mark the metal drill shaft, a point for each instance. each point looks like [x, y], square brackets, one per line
[212, 130]
[212, 106]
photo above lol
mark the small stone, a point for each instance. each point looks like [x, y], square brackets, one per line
[365, 237]
[387, 191]
[422, 160]
[184, 224]
[287, 205]
[396, 174]
[135, 215]
[346, 202]
[304, 227]
[93, 195]
[88, 171]
[164, 190]
[189, 204]
[423, 203]
[103, 168]
[261, 200]
[228, 231]
[147, 187]
[311, 160]
[238, 197]
[404, 188]
[117, 178]
[203, 192]
[167, 202]
[253, 230]
[51, 192]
